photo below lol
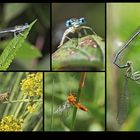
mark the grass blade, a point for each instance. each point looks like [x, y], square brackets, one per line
[81, 84]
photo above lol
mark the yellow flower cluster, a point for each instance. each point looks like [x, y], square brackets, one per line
[33, 84]
[10, 123]
[31, 108]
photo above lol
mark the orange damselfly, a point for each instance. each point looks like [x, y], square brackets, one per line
[71, 100]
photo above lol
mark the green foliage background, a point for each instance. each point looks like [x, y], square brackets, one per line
[122, 21]
[57, 88]
[13, 14]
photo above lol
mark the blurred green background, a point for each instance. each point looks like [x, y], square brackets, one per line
[93, 12]
[123, 20]
[58, 85]
[13, 14]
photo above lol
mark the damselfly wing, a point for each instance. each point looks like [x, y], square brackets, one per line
[71, 101]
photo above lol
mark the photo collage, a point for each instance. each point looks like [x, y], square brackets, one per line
[69, 67]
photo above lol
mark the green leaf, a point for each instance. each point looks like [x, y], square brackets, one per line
[26, 56]
[28, 52]
[11, 49]
[85, 53]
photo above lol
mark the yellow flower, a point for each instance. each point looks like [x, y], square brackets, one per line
[33, 84]
[31, 108]
[10, 123]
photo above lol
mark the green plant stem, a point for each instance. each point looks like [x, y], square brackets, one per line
[66, 128]
[39, 123]
[25, 100]
[51, 126]
[15, 89]
[81, 85]
[6, 81]
[19, 107]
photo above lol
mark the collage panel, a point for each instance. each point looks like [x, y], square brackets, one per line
[123, 65]
[78, 35]
[21, 101]
[24, 36]
[74, 101]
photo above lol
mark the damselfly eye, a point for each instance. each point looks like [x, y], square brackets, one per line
[68, 23]
[82, 20]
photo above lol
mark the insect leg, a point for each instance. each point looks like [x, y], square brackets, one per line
[89, 28]
[21, 34]
[85, 32]
[64, 36]
[15, 34]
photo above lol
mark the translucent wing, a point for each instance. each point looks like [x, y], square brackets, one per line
[62, 107]
[123, 104]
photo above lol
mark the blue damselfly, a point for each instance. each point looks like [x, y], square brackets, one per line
[15, 30]
[75, 25]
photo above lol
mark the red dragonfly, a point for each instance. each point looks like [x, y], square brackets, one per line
[71, 100]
